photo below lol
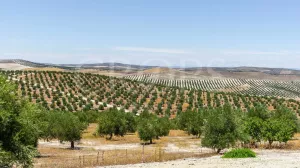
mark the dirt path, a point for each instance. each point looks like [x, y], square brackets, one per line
[265, 158]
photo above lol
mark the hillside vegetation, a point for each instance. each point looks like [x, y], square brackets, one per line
[256, 87]
[83, 91]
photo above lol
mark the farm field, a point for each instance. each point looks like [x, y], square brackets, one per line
[259, 87]
[84, 91]
[177, 107]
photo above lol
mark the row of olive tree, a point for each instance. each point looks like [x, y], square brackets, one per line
[118, 122]
[264, 125]
[224, 126]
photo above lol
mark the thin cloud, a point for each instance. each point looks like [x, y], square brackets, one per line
[152, 50]
[12, 54]
[246, 52]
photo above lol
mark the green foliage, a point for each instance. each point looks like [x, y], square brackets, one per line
[146, 129]
[253, 127]
[151, 126]
[259, 111]
[162, 126]
[131, 122]
[280, 130]
[279, 125]
[240, 153]
[221, 128]
[192, 122]
[115, 122]
[87, 116]
[19, 128]
[64, 126]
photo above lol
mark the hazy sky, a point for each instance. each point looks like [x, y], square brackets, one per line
[153, 32]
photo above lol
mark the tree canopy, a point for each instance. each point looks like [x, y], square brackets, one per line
[19, 131]
[115, 122]
[221, 128]
[65, 126]
[151, 126]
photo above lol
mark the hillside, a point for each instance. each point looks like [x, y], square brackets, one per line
[258, 87]
[98, 66]
[84, 91]
[280, 74]
[254, 81]
[159, 70]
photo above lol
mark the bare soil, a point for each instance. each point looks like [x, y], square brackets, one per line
[265, 158]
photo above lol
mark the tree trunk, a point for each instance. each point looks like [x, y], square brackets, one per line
[270, 144]
[150, 141]
[110, 136]
[72, 145]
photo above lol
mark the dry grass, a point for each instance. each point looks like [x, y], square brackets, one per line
[87, 156]
[90, 136]
[65, 158]
[294, 144]
[176, 133]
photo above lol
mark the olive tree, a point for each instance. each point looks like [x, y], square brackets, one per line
[150, 126]
[221, 128]
[19, 127]
[192, 122]
[112, 122]
[281, 125]
[64, 126]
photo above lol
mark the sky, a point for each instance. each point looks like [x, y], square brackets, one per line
[264, 33]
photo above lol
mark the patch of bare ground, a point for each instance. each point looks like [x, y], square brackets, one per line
[105, 72]
[265, 158]
[44, 69]
[235, 88]
[12, 66]
[159, 70]
[97, 151]
[93, 151]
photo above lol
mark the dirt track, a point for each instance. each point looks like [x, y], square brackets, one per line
[265, 158]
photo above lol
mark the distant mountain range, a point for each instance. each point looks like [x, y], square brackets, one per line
[121, 66]
[115, 66]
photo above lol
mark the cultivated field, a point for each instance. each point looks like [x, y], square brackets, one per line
[74, 91]
[289, 89]
[83, 91]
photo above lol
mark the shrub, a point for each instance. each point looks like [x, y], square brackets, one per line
[240, 153]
